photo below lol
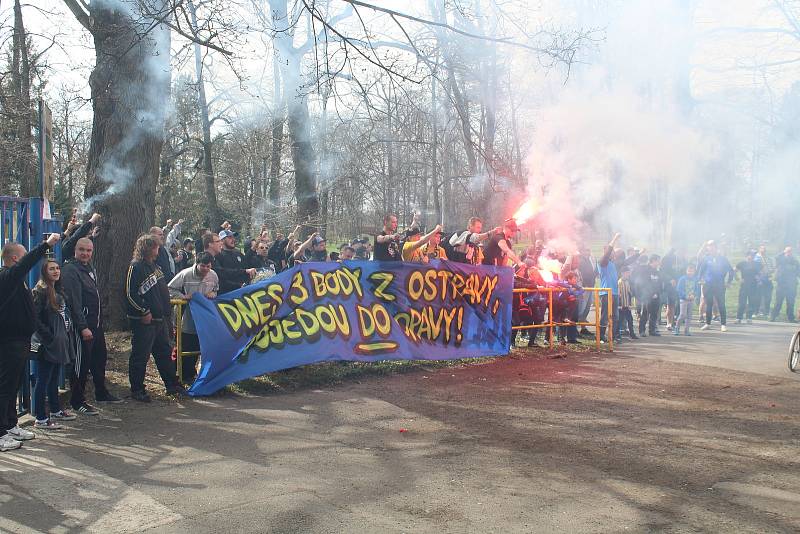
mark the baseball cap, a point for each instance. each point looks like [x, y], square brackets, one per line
[411, 232]
[317, 240]
[227, 233]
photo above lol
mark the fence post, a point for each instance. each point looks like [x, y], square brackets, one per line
[550, 314]
[597, 317]
[179, 339]
[610, 320]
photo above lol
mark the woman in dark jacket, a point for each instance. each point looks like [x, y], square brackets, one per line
[50, 345]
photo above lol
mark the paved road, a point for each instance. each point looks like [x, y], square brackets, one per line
[533, 443]
[761, 347]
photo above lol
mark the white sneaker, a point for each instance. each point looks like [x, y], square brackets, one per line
[723, 328]
[47, 424]
[705, 327]
[20, 434]
[7, 443]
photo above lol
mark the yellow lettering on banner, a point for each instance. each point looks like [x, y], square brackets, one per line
[248, 310]
[308, 321]
[415, 285]
[332, 282]
[318, 283]
[383, 280]
[341, 281]
[275, 291]
[430, 325]
[231, 315]
[430, 285]
[287, 325]
[264, 307]
[445, 277]
[351, 278]
[366, 323]
[448, 321]
[297, 284]
[383, 323]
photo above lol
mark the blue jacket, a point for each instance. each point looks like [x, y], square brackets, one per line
[715, 269]
[688, 287]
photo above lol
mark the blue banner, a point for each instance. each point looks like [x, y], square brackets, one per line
[354, 310]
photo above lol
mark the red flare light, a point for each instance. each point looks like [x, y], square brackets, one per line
[547, 276]
[527, 211]
[550, 265]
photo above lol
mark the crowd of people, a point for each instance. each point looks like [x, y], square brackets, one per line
[644, 289]
[59, 323]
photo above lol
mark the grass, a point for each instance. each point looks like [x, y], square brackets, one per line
[327, 374]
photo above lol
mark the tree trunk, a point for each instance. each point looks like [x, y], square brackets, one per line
[24, 167]
[305, 182]
[130, 87]
[277, 139]
[213, 217]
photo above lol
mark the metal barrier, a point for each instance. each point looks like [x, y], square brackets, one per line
[179, 352]
[22, 221]
[551, 324]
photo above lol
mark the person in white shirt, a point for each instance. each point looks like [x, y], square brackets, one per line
[199, 278]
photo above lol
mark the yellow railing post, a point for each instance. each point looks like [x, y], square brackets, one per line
[610, 320]
[179, 339]
[550, 314]
[551, 323]
[597, 317]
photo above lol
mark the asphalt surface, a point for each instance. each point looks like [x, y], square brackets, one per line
[761, 347]
[698, 435]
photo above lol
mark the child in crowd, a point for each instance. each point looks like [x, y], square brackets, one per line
[50, 346]
[688, 290]
[626, 302]
[565, 306]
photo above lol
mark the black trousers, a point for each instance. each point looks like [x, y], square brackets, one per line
[626, 321]
[765, 297]
[92, 358]
[787, 292]
[604, 308]
[13, 359]
[150, 339]
[711, 293]
[650, 311]
[190, 343]
[748, 301]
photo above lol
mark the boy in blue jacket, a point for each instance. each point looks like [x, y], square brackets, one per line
[688, 291]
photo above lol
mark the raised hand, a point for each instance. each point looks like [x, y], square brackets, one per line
[53, 239]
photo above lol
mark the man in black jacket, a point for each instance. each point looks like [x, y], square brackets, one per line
[650, 289]
[17, 324]
[150, 314]
[80, 284]
[230, 264]
[68, 245]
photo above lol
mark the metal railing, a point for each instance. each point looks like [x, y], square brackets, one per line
[551, 324]
[179, 352]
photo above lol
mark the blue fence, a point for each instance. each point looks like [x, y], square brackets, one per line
[23, 222]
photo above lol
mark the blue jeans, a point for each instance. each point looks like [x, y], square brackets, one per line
[47, 374]
[604, 316]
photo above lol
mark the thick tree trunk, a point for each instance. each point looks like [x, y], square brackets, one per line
[130, 87]
[305, 182]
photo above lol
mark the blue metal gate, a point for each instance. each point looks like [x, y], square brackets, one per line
[22, 221]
